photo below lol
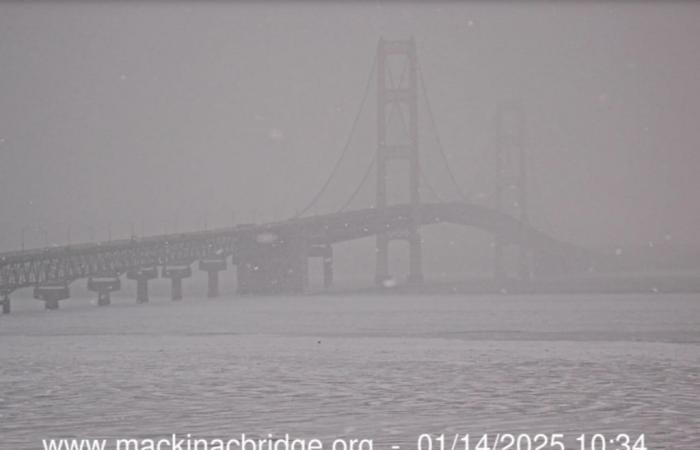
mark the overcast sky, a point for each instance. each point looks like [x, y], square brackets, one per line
[165, 113]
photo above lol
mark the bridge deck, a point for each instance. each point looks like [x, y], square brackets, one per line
[64, 264]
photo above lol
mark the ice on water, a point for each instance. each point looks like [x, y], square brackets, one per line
[388, 368]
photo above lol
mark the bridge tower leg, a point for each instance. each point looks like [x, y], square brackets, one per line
[328, 268]
[326, 253]
[142, 276]
[511, 185]
[499, 272]
[212, 267]
[397, 93]
[6, 303]
[176, 274]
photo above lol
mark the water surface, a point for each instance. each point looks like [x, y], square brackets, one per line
[389, 368]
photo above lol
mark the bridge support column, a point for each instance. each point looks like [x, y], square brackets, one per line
[525, 262]
[415, 272]
[499, 273]
[328, 269]
[243, 277]
[176, 288]
[104, 286]
[381, 274]
[212, 283]
[142, 276]
[212, 267]
[6, 303]
[176, 274]
[326, 253]
[51, 294]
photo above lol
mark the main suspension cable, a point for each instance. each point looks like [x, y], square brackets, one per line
[437, 136]
[359, 186]
[346, 147]
[426, 183]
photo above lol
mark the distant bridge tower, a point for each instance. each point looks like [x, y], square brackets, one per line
[397, 92]
[511, 185]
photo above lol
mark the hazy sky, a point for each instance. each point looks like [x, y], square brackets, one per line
[162, 113]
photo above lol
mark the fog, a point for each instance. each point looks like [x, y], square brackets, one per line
[125, 119]
[165, 116]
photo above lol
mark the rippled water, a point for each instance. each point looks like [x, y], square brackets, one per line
[388, 368]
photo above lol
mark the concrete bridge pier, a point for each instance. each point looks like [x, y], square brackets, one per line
[51, 294]
[272, 263]
[176, 274]
[212, 267]
[5, 302]
[415, 261]
[142, 277]
[104, 286]
[325, 252]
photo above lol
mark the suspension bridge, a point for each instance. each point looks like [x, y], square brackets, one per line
[272, 258]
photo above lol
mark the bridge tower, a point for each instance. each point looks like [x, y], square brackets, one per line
[398, 93]
[511, 185]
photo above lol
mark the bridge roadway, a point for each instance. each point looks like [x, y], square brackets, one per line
[270, 258]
